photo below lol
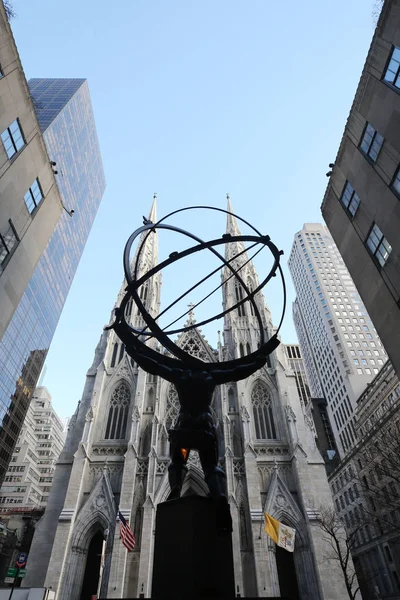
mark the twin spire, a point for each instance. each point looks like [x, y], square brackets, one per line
[232, 227]
[231, 223]
[149, 255]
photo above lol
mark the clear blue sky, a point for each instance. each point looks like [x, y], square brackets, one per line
[193, 99]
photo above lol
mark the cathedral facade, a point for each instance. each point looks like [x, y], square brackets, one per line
[117, 455]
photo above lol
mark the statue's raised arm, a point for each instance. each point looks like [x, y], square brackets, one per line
[240, 372]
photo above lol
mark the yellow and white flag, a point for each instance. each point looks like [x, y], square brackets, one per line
[280, 533]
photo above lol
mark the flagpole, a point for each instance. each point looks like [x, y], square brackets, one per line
[275, 469]
[262, 518]
[102, 560]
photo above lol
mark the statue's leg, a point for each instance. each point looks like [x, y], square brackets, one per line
[213, 475]
[177, 470]
[215, 479]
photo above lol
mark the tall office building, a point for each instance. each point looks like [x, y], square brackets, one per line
[315, 407]
[342, 349]
[306, 352]
[361, 203]
[66, 119]
[26, 486]
[296, 363]
[30, 202]
[41, 439]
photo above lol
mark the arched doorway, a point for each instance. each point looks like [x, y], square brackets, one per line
[92, 569]
[287, 574]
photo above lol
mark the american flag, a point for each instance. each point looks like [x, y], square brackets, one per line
[126, 533]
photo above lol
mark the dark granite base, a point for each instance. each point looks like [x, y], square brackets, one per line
[191, 560]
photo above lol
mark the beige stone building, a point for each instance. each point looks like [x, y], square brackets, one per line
[116, 454]
[366, 488]
[30, 203]
[28, 480]
[361, 206]
[341, 348]
[30, 473]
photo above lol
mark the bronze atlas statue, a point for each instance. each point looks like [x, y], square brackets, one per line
[194, 379]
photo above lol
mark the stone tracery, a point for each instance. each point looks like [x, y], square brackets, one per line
[262, 412]
[118, 412]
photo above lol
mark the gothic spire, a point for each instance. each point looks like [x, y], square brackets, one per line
[242, 265]
[153, 210]
[232, 227]
[149, 254]
[231, 223]
[148, 259]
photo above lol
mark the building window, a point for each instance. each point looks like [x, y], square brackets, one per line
[33, 196]
[378, 245]
[8, 241]
[396, 182]
[388, 553]
[114, 355]
[262, 412]
[144, 291]
[172, 408]
[350, 199]
[13, 138]
[371, 142]
[239, 298]
[118, 413]
[392, 72]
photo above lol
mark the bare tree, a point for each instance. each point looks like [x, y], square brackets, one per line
[341, 544]
[9, 8]
[376, 10]
[379, 477]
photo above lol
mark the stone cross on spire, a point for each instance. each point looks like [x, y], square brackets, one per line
[191, 318]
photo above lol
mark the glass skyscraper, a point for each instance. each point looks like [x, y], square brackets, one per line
[66, 119]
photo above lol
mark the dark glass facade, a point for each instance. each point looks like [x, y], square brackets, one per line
[65, 115]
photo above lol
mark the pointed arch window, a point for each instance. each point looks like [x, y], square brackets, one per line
[250, 287]
[137, 527]
[121, 353]
[231, 400]
[143, 294]
[118, 412]
[145, 440]
[239, 297]
[269, 363]
[163, 443]
[248, 349]
[172, 408]
[241, 350]
[114, 355]
[128, 309]
[262, 412]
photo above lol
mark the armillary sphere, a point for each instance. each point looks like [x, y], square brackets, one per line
[135, 338]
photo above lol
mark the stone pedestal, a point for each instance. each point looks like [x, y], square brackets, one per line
[191, 560]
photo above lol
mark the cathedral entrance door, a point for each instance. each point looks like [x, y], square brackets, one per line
[287, 574]
[92, 570]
